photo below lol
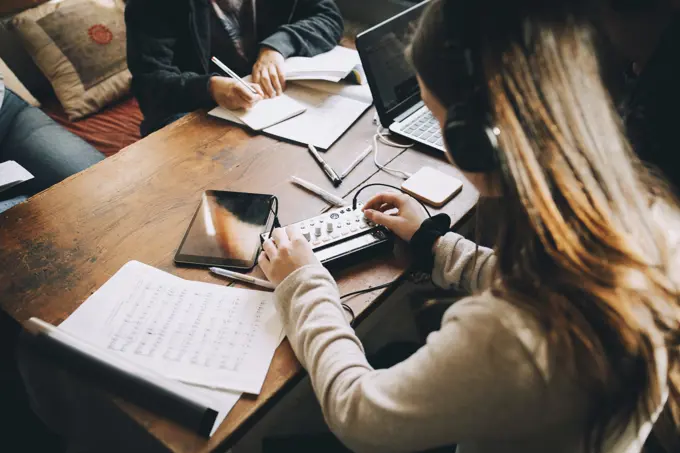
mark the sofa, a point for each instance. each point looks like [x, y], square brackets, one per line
[113, 126]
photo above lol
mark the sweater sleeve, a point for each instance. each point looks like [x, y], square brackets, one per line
[461, 264]
[161, 88]
[315, 27]
[449, 391]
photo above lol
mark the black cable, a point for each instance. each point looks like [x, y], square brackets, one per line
[349, 310]
[361, 291]
[356, 196]
[368, 290]
[274, 208]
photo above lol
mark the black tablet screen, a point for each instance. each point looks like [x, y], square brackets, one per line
[225, 230]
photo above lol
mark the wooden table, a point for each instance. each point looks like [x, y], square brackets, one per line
[64, 243]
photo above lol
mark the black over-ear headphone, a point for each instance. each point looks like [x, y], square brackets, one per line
[471, 139]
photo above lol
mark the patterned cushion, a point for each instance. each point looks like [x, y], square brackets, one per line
[80, 47]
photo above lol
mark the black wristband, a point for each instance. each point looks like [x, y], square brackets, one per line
[423, 240]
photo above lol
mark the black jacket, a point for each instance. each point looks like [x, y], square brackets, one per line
[168, 47]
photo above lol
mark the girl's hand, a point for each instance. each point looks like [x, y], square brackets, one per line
[284, 253]
[404, 222]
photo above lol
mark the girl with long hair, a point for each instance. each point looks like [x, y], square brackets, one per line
[569, 341]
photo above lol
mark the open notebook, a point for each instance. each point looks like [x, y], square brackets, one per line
[330, 109]
[268, 112]
[333, 66]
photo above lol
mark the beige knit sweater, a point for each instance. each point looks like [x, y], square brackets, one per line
[483, 381]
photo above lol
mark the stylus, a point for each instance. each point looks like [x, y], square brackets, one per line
[329, 197]
[243, 278]
[357, 161]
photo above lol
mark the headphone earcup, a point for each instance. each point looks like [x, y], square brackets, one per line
[471, 144]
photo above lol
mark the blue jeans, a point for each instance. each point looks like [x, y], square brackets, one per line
[41, 146]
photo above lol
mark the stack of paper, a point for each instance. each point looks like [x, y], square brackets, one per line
[218, 340]
[332, 66]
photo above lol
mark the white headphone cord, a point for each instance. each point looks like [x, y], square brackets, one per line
[382, 138]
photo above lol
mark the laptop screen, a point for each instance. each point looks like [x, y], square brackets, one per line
[391, 78]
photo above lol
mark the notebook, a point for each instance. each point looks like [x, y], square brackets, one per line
[269, 112]
[197, 333]
[330, 109]
[332, 66]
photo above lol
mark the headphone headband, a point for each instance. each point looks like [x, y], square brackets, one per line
[471, 141]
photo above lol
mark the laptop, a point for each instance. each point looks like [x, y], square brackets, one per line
[393, 81]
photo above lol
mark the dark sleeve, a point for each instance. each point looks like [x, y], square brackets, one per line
[316, 27]
[159, 85]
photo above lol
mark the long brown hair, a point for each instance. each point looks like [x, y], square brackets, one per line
[578, 247]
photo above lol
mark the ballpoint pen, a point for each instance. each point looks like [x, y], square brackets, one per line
[332, 175]
[232, 74]
[242, 277]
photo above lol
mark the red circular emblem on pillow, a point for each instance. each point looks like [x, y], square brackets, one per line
[100, 34]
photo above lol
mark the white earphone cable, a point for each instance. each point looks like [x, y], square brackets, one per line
[379, 136]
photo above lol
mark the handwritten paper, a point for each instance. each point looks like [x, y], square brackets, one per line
[199, 333]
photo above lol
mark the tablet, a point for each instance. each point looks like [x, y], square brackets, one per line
[226, 229]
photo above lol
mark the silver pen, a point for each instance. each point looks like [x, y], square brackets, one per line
[232, 74]
[332, 175]
[242, 277]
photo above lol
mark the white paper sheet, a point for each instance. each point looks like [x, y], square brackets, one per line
[11, 174]
[332, 66]
[361, 93]
[327, 117]
[198, 333]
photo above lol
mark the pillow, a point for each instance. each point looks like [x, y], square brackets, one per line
[80, 47]
[15, 85]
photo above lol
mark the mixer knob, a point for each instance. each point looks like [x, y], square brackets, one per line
[307, 236]
[317, 230]
[329, 227]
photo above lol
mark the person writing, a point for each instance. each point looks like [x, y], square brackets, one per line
[170, 43]
[569, 339]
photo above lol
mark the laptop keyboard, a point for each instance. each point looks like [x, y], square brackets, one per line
[424, 127]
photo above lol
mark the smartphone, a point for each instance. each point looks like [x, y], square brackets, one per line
[225, 230]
